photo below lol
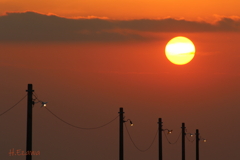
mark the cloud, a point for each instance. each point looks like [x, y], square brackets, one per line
[32, 26]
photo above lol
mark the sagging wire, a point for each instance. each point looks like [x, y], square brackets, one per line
[78, 126]
[44, 104]
[191, 135]
[141, 150]
[169, 140]
[37, 100]
[191, 140]
[13, 105]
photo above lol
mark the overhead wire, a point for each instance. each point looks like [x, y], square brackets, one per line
[13, 105]
[190, 140]
[169, 140]
[36, 98]
[87, 128]
[141, 150]
[35, 95]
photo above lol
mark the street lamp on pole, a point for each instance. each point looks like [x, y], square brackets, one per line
[121, 121]
[160, 126]
[197, 143]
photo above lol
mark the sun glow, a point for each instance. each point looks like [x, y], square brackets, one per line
[180, 50]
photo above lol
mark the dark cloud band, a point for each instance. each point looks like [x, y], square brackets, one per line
[32, 26]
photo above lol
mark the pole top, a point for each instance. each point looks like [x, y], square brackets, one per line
[30, 88]
[183, 125]
[160, 121]
[120, 110]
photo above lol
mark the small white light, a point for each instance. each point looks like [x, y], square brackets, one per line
[131, 124]
[44, 104]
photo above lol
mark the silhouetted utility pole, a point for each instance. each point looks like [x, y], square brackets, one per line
[197, 144]
[160, 138]
[121, 121]
[29, 122]
[183, 141]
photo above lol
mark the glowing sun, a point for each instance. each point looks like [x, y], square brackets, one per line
[180, 50]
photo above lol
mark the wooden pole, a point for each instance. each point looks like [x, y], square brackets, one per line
[29, 122]
[121, 121]
[160, 138]
[197, 145]
[183, 141]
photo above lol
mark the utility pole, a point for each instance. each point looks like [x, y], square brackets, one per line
[29, 122]
[121, 121]
[183, 141]
[197, 144]
[160, 138]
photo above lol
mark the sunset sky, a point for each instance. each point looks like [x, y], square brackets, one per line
[89, 58]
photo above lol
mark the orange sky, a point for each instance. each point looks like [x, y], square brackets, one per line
[128, 9]
[86, 83]
[88, 68]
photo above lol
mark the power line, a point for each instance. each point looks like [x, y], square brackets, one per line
[78, 126]
[13, 106]
[136, 145]
[190, 140]
[36, 98]
[169, 140]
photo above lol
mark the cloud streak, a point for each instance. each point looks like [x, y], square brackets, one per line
[32, 26]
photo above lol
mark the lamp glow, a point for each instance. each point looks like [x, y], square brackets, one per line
[44, 104]
[131, 124]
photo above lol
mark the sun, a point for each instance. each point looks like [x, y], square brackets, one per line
[180, 50]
